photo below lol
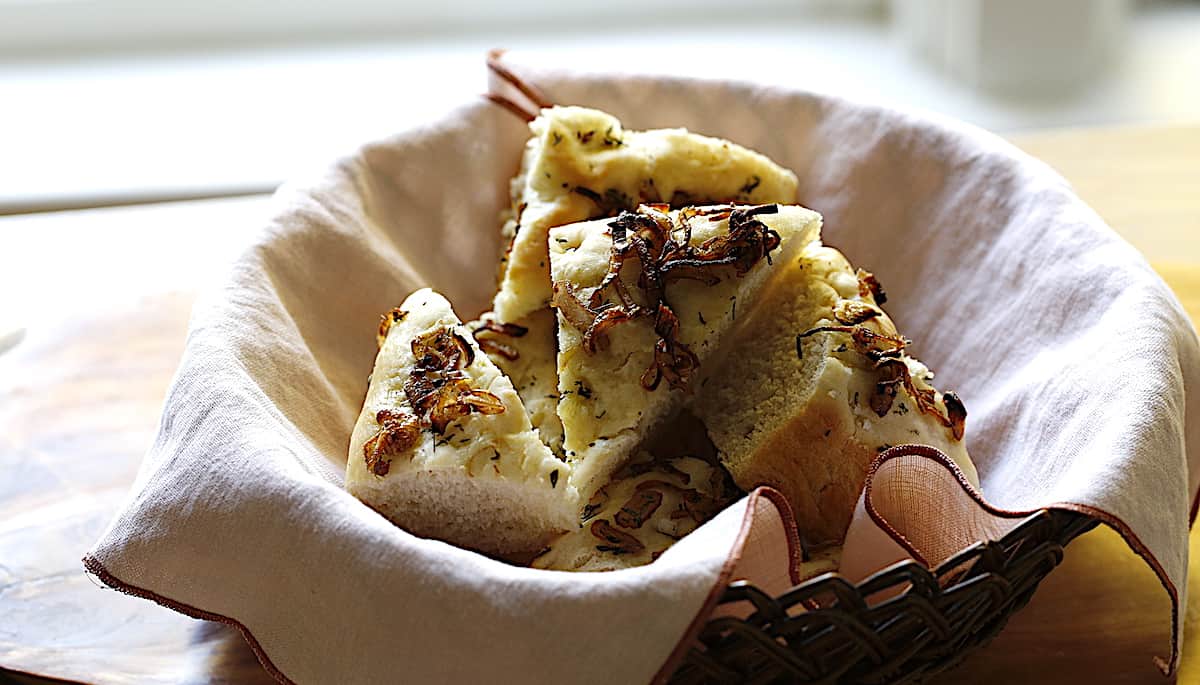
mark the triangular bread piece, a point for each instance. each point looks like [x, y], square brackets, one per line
[819, 385]
[443, 446]
[632, 340]
[581, 164]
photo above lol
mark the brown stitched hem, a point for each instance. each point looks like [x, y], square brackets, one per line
[1168, 668]
[795, 556]
[735, 555]
[94, 566]
[796, 550]
[1131, 539]
[511, 106]
[530, 91]
[929, 452]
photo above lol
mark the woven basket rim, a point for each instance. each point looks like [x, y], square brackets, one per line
[829, 630]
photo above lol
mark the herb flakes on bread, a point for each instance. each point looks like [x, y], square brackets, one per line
[582, 164]
[443, 446]
[647, 506]
[815, 386]
[642, 301]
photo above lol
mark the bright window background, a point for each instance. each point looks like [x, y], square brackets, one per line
[115, 101]
[53, 26]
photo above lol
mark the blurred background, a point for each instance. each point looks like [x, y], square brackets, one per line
[107, 102]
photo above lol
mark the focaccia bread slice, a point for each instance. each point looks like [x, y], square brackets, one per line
[632, 339]
[581, 163]
[647, 506]
[817, 386]
[443, 446]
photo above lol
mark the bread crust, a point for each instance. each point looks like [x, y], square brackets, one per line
[816, 460]
[799, 412]
[484, 481]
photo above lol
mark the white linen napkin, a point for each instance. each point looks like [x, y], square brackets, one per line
[1073, 358]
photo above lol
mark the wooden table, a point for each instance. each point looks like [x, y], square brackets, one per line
[80, 394]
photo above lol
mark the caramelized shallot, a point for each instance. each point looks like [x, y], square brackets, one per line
[673, 360]
[893, 373]
[852, 313]
[616, 541]
[571, 307]
[398, 433]
[866, 341]
[438, 388]
[385, 324]
[494, 346]
[869, 285]
[664, 254]
[641, 506]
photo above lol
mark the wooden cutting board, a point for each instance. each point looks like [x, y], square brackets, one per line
[80, 394]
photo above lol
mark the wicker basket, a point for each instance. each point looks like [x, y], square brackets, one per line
[827, 631]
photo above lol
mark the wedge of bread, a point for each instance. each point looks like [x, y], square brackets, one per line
[631, 338]
[647, 506]
[443, 446]
[815, 386]
[581, 164]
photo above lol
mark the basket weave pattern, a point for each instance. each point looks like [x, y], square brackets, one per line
[828, 630]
